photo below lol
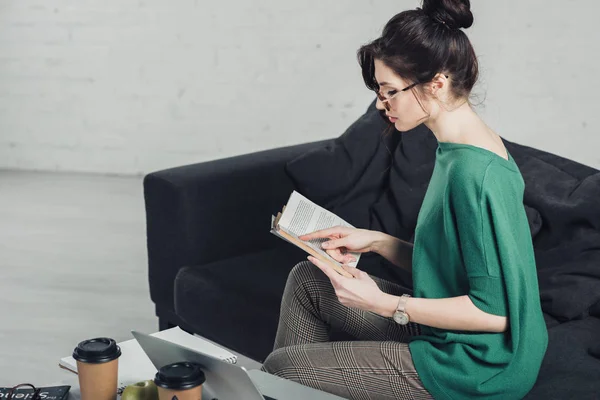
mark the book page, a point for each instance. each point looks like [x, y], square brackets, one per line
[302, 216]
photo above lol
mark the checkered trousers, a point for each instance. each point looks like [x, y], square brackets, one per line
[376, 365]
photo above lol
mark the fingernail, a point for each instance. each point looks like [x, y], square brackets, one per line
[324, 244]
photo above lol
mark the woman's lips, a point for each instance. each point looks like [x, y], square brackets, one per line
[392, 119]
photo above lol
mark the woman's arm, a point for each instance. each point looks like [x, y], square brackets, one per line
[455, 313]
[396, 251]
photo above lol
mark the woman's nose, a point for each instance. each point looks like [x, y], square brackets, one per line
[379, 105]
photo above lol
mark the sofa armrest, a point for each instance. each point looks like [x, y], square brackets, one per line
[215, 210]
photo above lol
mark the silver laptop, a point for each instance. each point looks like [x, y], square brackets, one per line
[225, 380]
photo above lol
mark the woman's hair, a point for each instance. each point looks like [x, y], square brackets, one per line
[418, 44]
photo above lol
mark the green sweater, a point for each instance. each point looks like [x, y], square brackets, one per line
[473, 238]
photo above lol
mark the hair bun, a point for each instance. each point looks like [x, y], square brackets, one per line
[456, 14]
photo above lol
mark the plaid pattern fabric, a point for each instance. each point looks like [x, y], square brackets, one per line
[377, 365]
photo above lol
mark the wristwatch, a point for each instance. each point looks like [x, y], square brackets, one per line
[400, 316]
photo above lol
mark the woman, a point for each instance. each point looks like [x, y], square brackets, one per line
[474, 326]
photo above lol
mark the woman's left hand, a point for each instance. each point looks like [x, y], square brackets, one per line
[359, 292]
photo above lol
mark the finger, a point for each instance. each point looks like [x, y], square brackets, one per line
[334, 243]
[337, 255]
[355, 272]
[340, 257]
[327, 270]
[324, 233]
[348, 259]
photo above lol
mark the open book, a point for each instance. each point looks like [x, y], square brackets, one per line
[301, 216]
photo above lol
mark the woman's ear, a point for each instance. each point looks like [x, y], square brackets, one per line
[439, 85]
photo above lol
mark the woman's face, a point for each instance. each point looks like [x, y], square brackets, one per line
[405, 111]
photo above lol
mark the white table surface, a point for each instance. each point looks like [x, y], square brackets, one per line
[268, 385]
[135, 366]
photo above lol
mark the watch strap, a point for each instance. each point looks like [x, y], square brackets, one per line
[402, 303]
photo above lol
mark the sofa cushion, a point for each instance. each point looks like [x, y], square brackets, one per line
[352, 175]
[238, 297]
[571, 367]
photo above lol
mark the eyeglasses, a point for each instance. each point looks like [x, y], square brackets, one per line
[385, 100]
[35, 395]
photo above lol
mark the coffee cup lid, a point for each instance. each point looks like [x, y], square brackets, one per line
[98, 350]
[181, 375]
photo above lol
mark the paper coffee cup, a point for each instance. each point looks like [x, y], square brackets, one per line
[181, 381]
[97, 368]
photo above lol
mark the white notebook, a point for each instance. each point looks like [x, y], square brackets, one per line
[134, 364]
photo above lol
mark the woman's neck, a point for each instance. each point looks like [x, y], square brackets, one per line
[461, 125]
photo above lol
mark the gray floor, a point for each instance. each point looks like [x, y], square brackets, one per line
[73, 265]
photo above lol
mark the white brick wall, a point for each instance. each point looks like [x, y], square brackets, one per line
[122, 86]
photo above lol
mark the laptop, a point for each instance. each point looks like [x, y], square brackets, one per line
[223, 379]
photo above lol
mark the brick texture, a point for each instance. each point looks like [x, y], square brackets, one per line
[128, 87]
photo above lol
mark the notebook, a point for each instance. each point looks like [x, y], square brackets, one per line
[134, 364]
[46, 392]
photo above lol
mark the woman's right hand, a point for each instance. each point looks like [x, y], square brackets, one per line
[343, 239]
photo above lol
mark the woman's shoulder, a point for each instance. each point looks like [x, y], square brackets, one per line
[483, 175]
[503, 178]
[463, 165]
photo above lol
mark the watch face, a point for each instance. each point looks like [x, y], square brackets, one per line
[401, 318]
